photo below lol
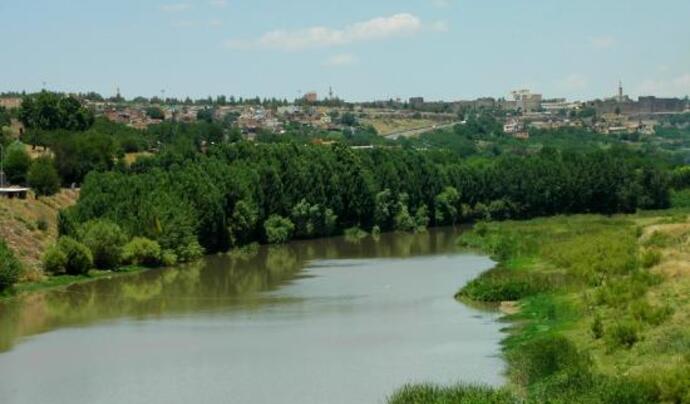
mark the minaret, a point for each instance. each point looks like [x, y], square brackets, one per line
[620, 91]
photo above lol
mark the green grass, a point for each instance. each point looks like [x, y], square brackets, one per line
[598, 321]
[60, 281]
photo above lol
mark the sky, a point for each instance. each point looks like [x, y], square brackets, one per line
[364, 50]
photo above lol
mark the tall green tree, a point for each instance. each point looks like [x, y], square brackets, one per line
[43, 177]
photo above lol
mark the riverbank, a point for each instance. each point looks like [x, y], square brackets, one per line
[604, 309]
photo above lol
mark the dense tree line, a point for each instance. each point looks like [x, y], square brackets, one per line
[244, 192]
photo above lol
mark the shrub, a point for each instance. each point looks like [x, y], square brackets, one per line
[54, 261]
[142, 251]
[189, 252]
[79, 258]
[42, 224]
[168, 258]
[356, 234]
[545, 356]
[10, 267]
[278, 229]
[66, 223]
[105, 239]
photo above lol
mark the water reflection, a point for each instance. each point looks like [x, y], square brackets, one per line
[217, 283]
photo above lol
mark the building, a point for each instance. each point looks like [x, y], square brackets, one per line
[416, 102]
[11, 102]
[526, 101]
[512, 126]
[311, 97]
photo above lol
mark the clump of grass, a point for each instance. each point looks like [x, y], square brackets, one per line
[659, 240]
[650, 258]
[642, 311]
[460, 394]
[504, 285]
[597, 327]
[624, 334]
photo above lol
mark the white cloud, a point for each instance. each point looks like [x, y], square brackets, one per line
[380, 28]
[343, 59]
[218, 3]
[175, 8]
[440, 26]
[603, 42]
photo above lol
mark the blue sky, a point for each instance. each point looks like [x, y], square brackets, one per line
[440, 49]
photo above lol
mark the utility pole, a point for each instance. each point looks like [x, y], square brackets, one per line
[2, 166]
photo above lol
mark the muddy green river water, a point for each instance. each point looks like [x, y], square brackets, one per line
[324, 321]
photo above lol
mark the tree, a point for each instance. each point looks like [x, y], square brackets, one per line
[78, 154]
[17, 162]
[10, 267]
[142, 251]
[51, 111]
[384, 209]
[446, 206]
[155, 113]
[43, 178]
[54, 261]
[348, 119]
[105, 239]
[243, 222]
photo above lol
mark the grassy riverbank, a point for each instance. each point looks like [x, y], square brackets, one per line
[604, 310]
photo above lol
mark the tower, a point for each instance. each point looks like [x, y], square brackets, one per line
[620, 91]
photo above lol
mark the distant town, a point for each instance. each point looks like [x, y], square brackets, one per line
[521, 111]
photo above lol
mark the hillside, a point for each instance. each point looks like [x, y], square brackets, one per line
[21, 224]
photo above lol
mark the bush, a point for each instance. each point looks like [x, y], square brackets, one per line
[168, 258]
[43, 177]
[79, 258]
[10, 267]
[545, 356]
[278, 229]
[189, 252]
[42, 224]
[105, 239]
[55, 261]
[142, 251]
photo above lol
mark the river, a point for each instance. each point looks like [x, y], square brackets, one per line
[324, 321]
